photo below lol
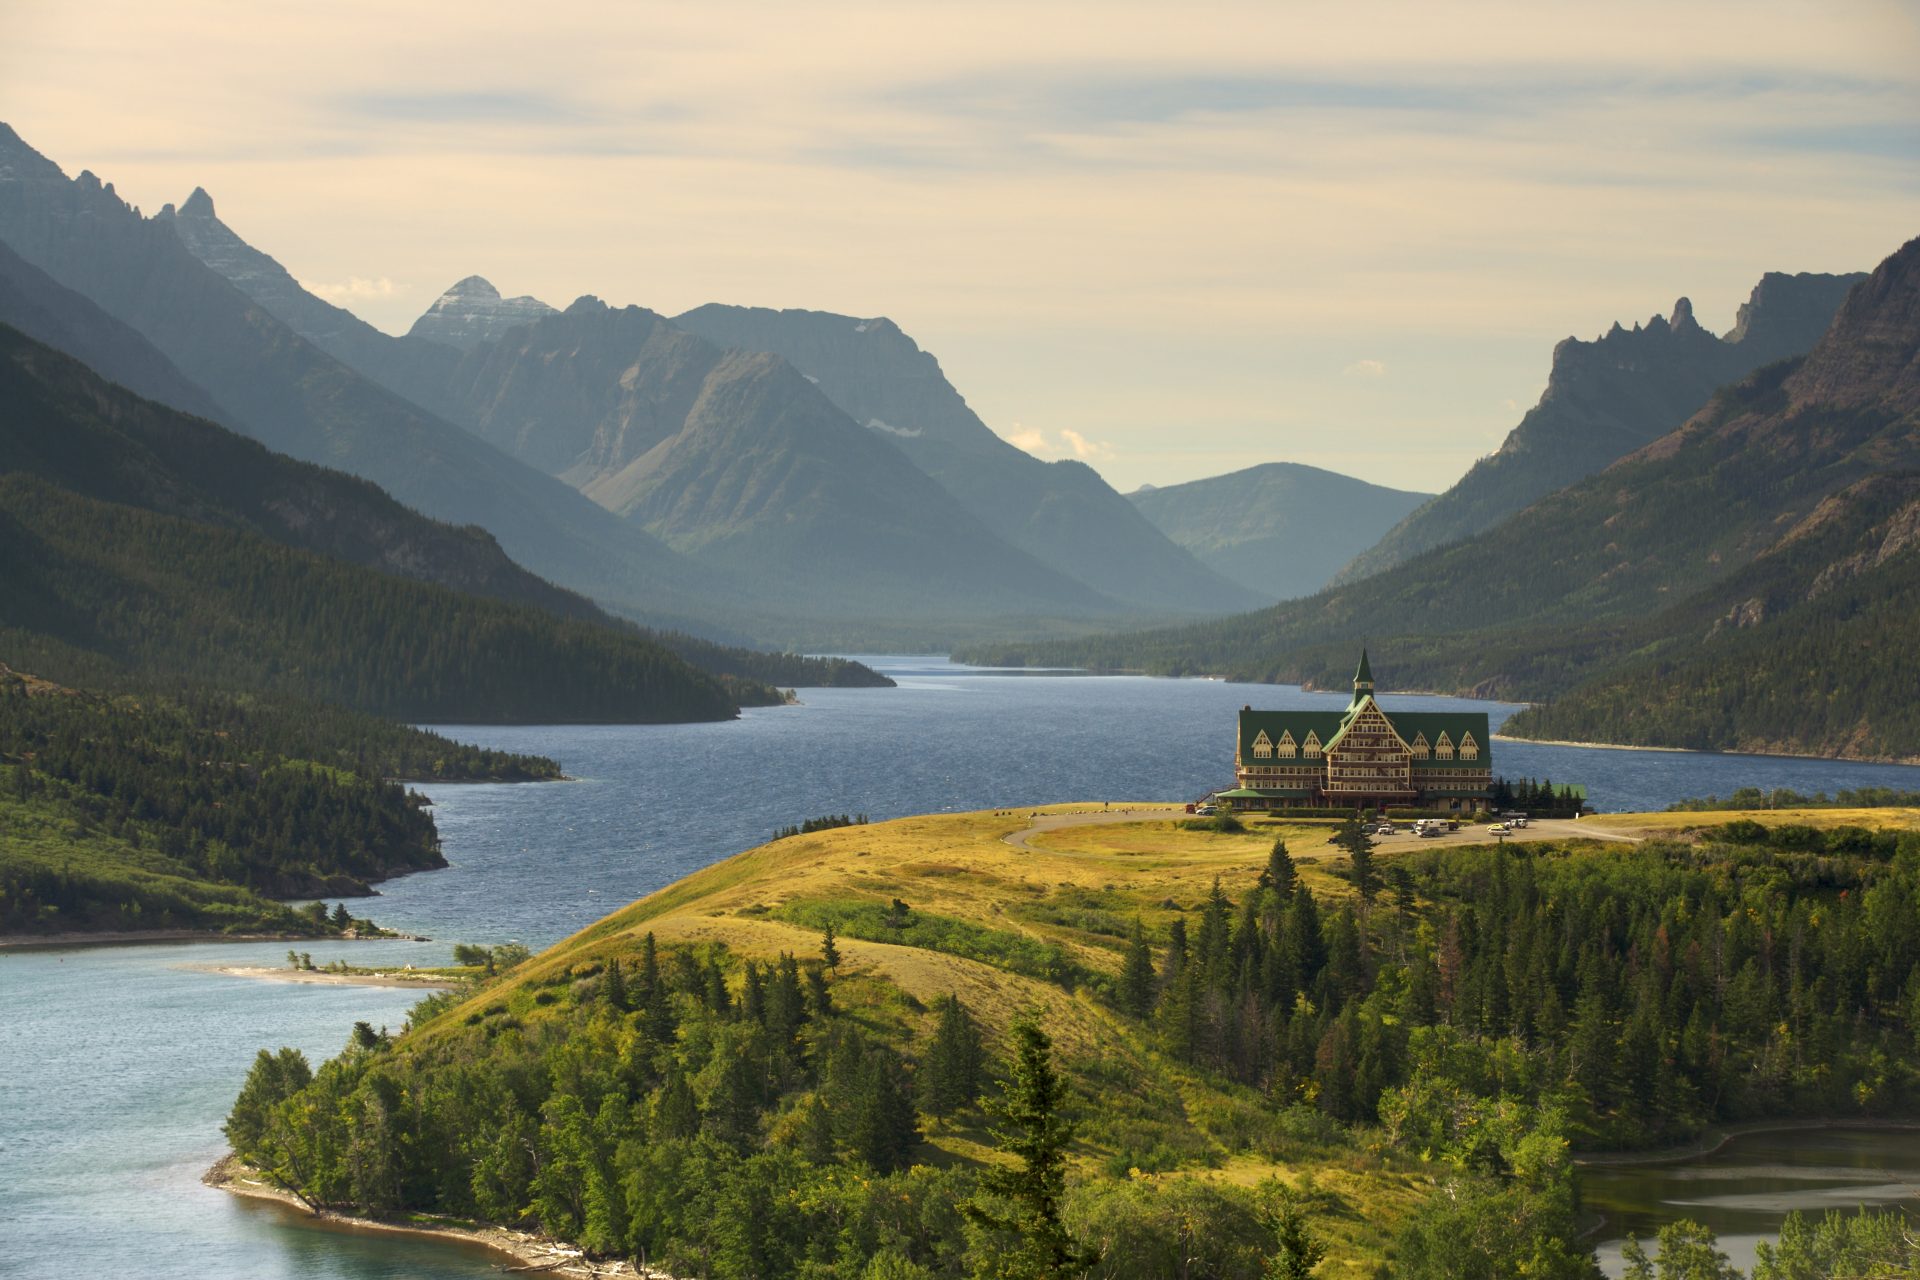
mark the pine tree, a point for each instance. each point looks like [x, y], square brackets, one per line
[1359, 846]
[1280, 871]
[828, 951]
[950, 1072]
[1295, 1251]
[1021, 1201]
[884, 1128]
[817, 994]
[614, 988]
[1136, 976]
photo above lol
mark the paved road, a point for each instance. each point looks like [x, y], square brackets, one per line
[1099, 817]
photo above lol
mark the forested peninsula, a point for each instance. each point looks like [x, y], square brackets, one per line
[957, 1046]
[193, 810]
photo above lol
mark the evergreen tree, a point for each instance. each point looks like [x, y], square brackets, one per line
[1295, 1251]
[950, 1070]
[829, 953]
[1021, 1202]
[1280, 873]
[884, 1128]
[1358, 843]
[817, 993]
[1136, 976]
[614, 987]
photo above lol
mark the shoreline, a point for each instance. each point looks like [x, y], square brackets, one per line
[1896, 761]
[321, 977]
[529, 1252]
[136, 937]
[1717, 1139]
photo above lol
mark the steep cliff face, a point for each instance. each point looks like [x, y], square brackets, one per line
[1606, 398]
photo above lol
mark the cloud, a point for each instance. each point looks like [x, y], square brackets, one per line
[1365, 369]
[1069, 443]
[356, 289]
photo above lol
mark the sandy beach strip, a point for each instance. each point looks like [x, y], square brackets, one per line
[320, 977]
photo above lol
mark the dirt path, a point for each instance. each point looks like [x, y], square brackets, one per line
[1097, 818]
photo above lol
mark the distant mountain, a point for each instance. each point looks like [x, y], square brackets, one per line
[283, 390]
[581, 395]
[179, 465]
[1689, 568]
[136, 540]
[1280, 529]
[473, 312]
[1606, 398]
[1061, 513]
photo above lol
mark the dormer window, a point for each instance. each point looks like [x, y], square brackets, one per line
[1443, 749]
[1312, 750]
[1420, 748]
[1469, 749]
[1288, 748]
[1262, 746]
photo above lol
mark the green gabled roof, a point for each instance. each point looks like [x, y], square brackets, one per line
[1363, 674]
[1298, 723]
[1409, 724]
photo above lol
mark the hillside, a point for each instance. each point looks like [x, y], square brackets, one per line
[194, 811]
[136, 540]
[1061, 513]
[276, 386]
[1606, 398]
[1280, 529]
[1640, 560]
[725, 1086]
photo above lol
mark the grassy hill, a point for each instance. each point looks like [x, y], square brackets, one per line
[1240, 1035]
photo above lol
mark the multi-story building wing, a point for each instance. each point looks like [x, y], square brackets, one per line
[1363, 757]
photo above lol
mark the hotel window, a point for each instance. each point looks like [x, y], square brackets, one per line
[1469, 749]
[1420, 747]
[1443, 749]
[1288, 748]
[1262, 746]
[1313, 745]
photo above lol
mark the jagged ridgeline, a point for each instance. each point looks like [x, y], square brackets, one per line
[1680, 597]
[137, 541]
[192, 810]
[786, 1063]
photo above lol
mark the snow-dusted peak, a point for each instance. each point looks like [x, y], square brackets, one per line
[472, 312]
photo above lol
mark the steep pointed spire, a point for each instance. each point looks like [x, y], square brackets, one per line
[1363, 678]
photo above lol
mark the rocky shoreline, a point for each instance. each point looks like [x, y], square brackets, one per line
[528, 1253]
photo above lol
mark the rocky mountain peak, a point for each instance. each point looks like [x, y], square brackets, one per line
[472, 287]
[472, 313]
[1786, 314]
[1871, 353]
[1683, 315]
[585, 305]
[198, 205]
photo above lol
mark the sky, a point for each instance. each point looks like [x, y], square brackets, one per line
[1171, 240]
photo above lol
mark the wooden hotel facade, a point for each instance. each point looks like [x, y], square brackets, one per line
[1362, 757]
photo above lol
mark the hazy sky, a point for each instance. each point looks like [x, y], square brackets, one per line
[1174, 239]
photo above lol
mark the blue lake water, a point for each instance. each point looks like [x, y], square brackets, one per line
[117, 1064]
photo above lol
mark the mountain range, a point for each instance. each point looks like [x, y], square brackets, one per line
[1606, 398]
[1280, 529]
[585, 394]
[1692, 560]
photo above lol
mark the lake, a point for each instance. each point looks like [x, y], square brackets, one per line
[117, 1065]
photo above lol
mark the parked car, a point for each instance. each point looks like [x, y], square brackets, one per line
[1497, 829]
[1207, 810]
[1433, 830]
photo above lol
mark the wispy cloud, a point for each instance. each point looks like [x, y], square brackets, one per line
[1365, 369]
[1065, 443]
[356, 289]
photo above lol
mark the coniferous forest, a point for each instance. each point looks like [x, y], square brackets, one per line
[1468, 1015]
[192, 810]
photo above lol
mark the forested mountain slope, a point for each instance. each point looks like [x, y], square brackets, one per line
[1280, 529]
[1646, 554]
[278, 387]
[1061, 513]
[1608, 397]
[136, 540]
